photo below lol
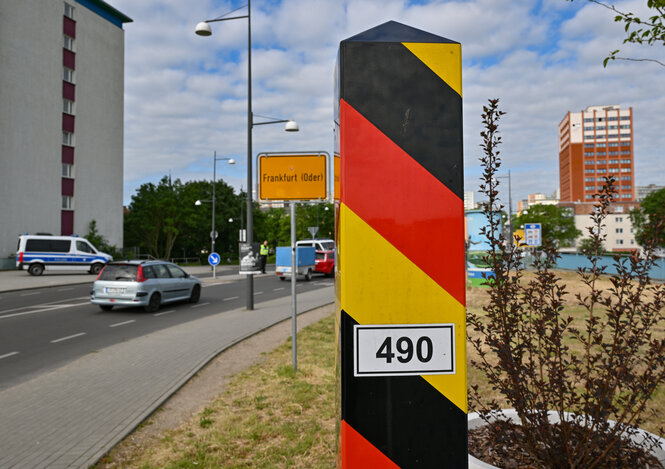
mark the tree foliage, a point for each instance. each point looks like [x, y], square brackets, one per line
[644, 31]
[649, 219]
[556, 223]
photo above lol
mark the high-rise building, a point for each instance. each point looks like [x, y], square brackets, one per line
[593, 144]
[61, 118]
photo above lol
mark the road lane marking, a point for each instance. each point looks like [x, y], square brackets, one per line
[62, 339]
[122, 323]
[278, 289]
[164, 312]
[7, 355]
[200, 304]
[258, 293]
[31, 294]
[42, 309]
[65, 289]
[231, 298]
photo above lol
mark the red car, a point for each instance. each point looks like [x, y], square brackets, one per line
[325, 254]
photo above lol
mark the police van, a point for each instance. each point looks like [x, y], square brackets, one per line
[36, 253]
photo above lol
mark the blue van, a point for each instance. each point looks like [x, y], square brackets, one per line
[36, 253]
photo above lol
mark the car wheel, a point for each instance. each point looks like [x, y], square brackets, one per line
[153, 304]
[106, 307]
[282, 278]
[96, 269]
[308, 275]
[36, 269]
[196, 294]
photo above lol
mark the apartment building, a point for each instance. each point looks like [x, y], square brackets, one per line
[593, 144]
[61, 118]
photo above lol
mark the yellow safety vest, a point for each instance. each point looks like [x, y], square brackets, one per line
[264, 250]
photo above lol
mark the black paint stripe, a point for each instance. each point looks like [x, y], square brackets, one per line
[408, 102]
[404, 417]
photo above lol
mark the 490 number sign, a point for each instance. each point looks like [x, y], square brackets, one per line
[403, 350]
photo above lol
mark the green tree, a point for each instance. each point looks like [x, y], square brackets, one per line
[557, 224]
[649, 219]
[645, 31]
[99, 241]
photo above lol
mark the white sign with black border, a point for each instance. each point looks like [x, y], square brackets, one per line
[403, 349]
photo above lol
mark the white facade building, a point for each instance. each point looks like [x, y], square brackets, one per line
[61, 119]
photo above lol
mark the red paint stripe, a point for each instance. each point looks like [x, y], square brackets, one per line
[403, 202]
[359, 453]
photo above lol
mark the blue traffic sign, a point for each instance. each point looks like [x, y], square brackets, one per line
[213, 258]
[533, 234]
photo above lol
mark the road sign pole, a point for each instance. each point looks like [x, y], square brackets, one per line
[400, 276]
[294, 308]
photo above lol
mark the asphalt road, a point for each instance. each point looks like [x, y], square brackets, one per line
[43, 329]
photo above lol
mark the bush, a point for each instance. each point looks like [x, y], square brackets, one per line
[532, 353]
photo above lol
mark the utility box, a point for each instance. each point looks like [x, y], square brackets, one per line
[400, 272]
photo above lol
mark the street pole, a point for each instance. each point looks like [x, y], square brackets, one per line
[250, 118]
[212, 233]
[294, 272]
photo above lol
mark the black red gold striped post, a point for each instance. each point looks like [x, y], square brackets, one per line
[400, 281]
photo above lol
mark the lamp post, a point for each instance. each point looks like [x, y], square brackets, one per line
[213, 233]
[510, 205]
[203, 29]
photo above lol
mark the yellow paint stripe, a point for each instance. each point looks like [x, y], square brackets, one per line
[443, 59]
[379, 285]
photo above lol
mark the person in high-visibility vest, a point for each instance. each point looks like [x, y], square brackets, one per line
[263, 253]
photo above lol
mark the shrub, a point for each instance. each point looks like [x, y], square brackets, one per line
[541, 362]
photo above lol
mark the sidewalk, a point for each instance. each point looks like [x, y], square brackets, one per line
[74, 415]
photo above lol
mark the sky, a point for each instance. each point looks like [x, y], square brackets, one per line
[186, 95]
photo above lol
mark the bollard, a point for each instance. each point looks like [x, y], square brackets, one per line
[400, 276]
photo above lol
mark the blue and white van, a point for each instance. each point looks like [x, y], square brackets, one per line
[36, 253]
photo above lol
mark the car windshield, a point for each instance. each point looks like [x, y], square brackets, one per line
[327, 245]
[119, 272]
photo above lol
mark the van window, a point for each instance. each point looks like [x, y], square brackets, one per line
[161, 271]
[84, 247]
[176, 272]
[47, 245]
[119, 272]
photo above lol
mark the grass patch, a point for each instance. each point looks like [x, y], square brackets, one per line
[268, 416]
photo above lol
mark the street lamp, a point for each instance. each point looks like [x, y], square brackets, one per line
[203, 29]
[510, 205]
[213, 233]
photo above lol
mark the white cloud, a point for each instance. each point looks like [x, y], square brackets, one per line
[186, 95]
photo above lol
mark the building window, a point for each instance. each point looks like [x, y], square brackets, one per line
[588, 119]
[626, 196]
[69, 11]
[600, 162]
[68, 74]
[611, 127]
[600, 119]
[618, 230]
[625, 178]
[618, 209]
[601, 153]
[589, 179]
[588, 145]
[68, 43]
[613, 170]
[600, 127]
[625, 135]
[588, 128]
[625, 170]
[588, 137]
[625, 161]
[625, 152]
[613, 144]
[618, 219]
[590, 170]
[599, 145]
[619, 241]
[625, 118]
[614, 161]
[67, 170]
[625, 126]
[612, 136]
[590, 188]
[67, 202]
[67, 138]
[588, 196]
[588, 162]
[68, 106]
[612, 118]
[626, 187]
[588, 153]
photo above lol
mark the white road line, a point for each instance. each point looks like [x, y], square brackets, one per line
[164, 312]
[62, 339]
[258, 293]
[200, 304]
[231, 298]
[122, 323]
[42, 309]
[278, 289]
[31, 294]
[7, 355]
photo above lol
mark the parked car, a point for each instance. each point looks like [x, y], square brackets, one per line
[324, 252]
[36, 253]
[143, 283]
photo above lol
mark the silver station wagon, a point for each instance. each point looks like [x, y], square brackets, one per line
[143, 283]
